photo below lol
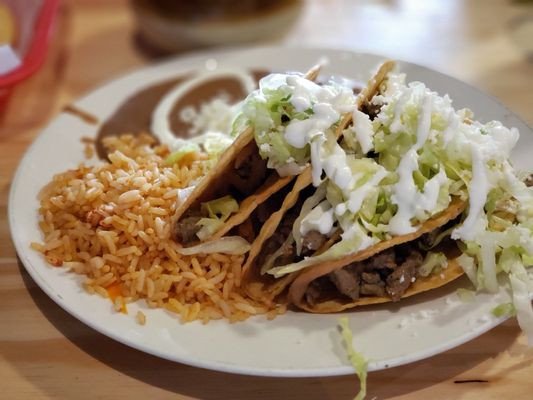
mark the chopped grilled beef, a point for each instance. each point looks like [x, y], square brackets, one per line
[415, 259]
[371, 277]
[347, 280]
[372, 110]
[312, 241]
[250, 172]
[384, 260]
[373, 289]
[289, 252]
[274, 242]
[372, 284]
[246, 230]
[400, 279]
[186, 228]
[529, 181]
[389, 273]
[428, 240]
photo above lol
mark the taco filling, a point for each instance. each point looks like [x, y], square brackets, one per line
[389, 273]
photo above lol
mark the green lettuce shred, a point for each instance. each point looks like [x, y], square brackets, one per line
[176, 156]
[358, 361]
[218, 211]
[465, 295]
[432, 263]
[504, 310]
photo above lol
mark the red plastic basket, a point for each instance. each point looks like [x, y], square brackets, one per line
[34, 57]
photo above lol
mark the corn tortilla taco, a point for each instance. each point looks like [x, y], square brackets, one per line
[275, 240]
[238, 183]
[387, 271]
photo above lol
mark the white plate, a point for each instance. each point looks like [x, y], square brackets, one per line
[295, 344]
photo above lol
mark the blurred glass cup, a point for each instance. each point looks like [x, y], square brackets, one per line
[174, 25]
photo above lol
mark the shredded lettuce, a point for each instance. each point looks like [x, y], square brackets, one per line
[433, 262]
[521, 290]
[358, 361]
[234, 245]
[504, 310]
[468, 264]
[290, 102]
[211, 144]
[218, 211]
[177, 155]
[307, 206]
[465, 295]
[271, 259]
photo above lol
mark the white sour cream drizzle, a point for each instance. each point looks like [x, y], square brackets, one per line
[493, 146]
[405, 193]
[364, 132]
[306, 94]
[358, 195]
[320, 219]
[475, 222]
[160, 125]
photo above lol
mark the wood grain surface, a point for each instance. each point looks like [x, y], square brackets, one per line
[47, 354]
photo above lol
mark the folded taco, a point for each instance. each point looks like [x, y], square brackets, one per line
[412, 167]
[276, 242]
[241, 179]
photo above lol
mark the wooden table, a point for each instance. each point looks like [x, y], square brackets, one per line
[46, 353]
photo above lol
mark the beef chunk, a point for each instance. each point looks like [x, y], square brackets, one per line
[186, 229]
[384, 260]
[288, 255]
[250, 171]
[372, 110]
[400, 279]
[373, 289]
[246, 230]
[415, 258]
[312, 241]
[428, 240]
[371, 277]
[347, 280]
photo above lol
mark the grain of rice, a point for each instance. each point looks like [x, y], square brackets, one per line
[141, 318]
[245, 307]
[37, 247]
[101, 291]
[113, 258]
[140, 280]
[75, 266]
[129, 196]
[125, 251]
[150, 288]
[226, 289]
[217, 278]
[53, 244]
[189, 275]
[196, 267]
[96, 262]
